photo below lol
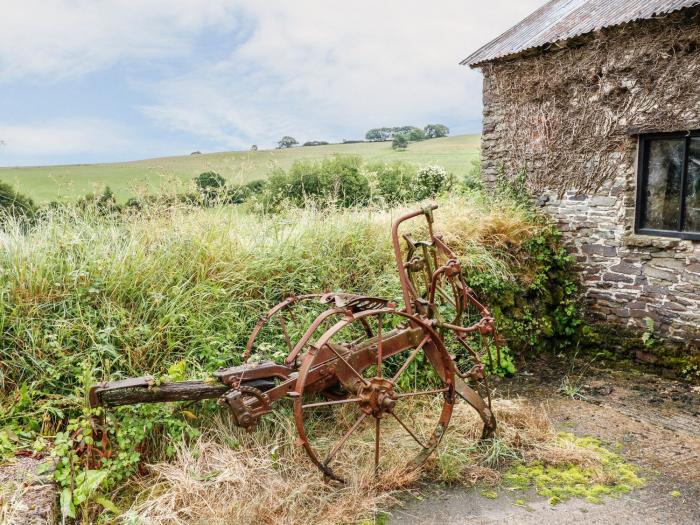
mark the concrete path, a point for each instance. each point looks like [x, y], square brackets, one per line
[656, 421]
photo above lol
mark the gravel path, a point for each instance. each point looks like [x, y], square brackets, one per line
[657, 422]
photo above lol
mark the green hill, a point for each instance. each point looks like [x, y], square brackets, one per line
[47, 183]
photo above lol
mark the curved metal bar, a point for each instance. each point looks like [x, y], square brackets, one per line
[289, 301]
[310, 332]
[403, 277]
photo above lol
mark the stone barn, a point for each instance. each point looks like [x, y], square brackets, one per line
[595, 105]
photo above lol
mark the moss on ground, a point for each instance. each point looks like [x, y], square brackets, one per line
[609, 475]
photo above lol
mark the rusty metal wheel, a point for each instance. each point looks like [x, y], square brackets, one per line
[400, 394]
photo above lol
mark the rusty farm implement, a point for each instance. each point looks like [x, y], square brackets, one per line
[362, 361]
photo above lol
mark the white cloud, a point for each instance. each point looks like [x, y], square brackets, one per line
[318, 69]
[64, 38]
[62, 137]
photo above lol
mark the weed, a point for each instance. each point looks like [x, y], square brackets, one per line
[571, 388]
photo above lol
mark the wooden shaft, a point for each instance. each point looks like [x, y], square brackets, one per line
[181, 391]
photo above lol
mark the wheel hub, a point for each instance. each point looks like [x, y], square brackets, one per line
[377, 397]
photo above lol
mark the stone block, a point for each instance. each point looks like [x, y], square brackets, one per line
[621, 312]
[603, 201]
[663, 275]
[617, 278]
[599, 249]
[669, 263]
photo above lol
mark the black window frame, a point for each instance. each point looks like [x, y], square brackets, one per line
[642, 180]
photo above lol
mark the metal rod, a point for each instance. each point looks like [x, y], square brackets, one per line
[335, 402]
[376, 446]
[286, 335]
[408, 430]
[342, 441]
[410, 358]
[423, 393]
[380, 323]
[348, 365]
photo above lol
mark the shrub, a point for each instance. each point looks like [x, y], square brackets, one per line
[15, 204]
[315, 143]
[416, 135]
[84, 297]
[339, 179]
[211, 187]
[395, 182]
[400, 142]
[239, 193]
[432, 180]
[473, 179]
[104, 203]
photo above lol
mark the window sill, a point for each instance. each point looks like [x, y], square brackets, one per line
[654, 241]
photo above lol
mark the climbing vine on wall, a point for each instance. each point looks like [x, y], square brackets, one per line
[567, 117]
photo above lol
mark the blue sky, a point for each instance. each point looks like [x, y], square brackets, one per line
[105, 80]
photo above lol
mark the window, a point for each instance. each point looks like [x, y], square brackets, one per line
[668, 185]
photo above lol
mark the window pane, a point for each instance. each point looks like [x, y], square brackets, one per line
[663, 191]
[692, 189]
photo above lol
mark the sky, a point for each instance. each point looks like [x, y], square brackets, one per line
[85, 81]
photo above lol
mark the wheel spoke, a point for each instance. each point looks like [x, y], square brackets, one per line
[342, 441]
[410, 358]
[424, 393]
[376, 446]
[352, 369]
[380, 323]
[445, 296]
[334, 402]
[408, 430]
[286, 334]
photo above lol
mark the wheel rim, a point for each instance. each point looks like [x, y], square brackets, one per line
[373, 425]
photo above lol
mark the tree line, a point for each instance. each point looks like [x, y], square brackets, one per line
[401, 135]
[410, 133]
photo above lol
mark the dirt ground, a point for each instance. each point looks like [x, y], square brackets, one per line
[654, 422]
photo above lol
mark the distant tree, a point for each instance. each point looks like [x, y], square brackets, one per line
[196, 153]
[376, 135]
[416, 134]
[400, 142]
[433, 131]
[286, 142]
[402, 130]
[254, 147]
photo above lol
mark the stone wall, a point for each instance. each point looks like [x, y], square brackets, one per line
[567, 118]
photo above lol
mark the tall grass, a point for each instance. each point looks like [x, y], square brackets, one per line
[86, 296]
[134, 295]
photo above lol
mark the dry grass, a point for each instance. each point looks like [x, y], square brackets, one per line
[499, 227]
[263, 477]
[11, 506]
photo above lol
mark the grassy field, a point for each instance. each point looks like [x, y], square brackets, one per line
[47, 183]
